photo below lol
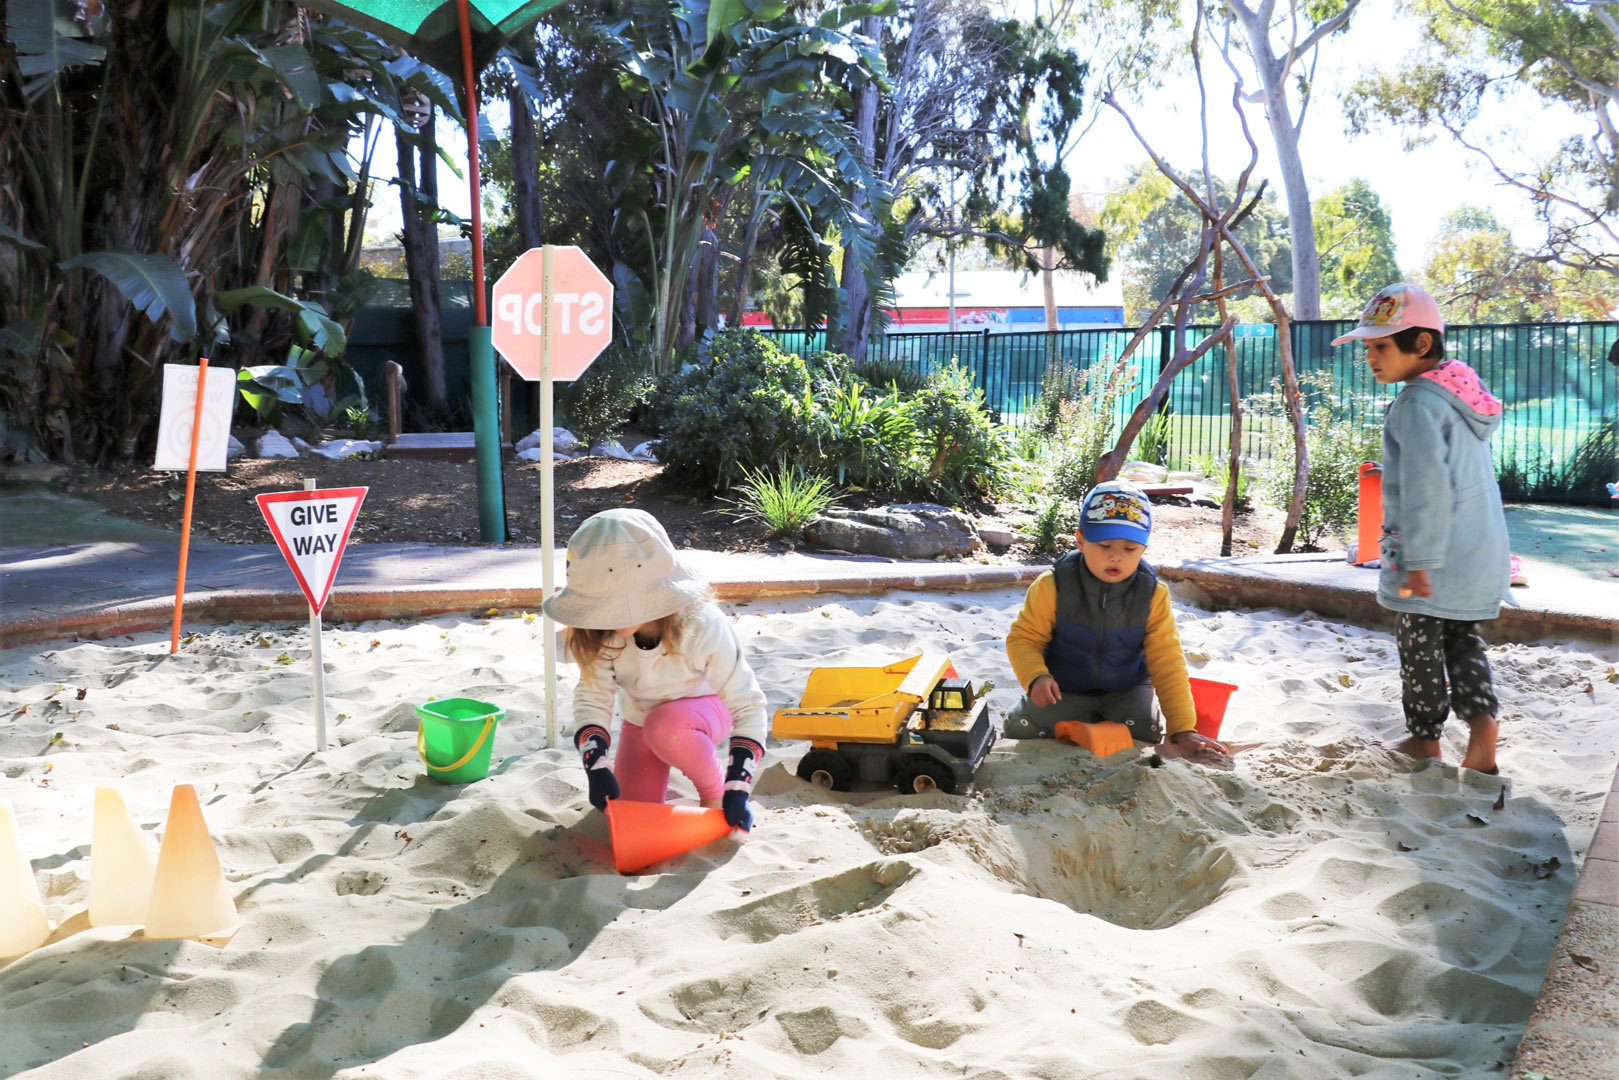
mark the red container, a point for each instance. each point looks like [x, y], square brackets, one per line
[1369, 514]
[1209, 699]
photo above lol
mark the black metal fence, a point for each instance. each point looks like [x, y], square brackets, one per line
[1559, 383]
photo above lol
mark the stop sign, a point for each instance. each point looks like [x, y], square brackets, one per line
[580, 313]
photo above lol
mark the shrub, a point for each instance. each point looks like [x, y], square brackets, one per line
[1085, 429]
[859, 439]
[965, 452]
[1060, 384]
[784, 501]
[1056, 519]
[598, 406]
[1152, 441]
[1337, 445]
[743, 404]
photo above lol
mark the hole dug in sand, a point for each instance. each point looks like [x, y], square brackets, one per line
[1123, 844]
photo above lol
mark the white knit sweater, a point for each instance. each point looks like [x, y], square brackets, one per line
[710, 662]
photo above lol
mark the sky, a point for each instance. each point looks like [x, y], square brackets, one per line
[1418, 188]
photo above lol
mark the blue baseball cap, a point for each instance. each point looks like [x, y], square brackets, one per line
[1116, 510]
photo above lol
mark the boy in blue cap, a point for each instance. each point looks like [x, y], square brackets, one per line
[1097, 638]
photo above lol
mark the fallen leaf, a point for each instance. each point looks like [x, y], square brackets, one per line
[1583, 960]
[1589, 689]
[283, 659]
[1501, 799]
[1403, 846]
[1613, 675]
[493, 613]
[1343, 680]
[83, 690]
[1475, 817]
[1547, 868]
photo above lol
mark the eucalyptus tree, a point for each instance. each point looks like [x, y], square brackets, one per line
[1281, 41]
[166, 158]
[1563, 52]
[724, 95]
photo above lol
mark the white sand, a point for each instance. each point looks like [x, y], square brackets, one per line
[1325, 910]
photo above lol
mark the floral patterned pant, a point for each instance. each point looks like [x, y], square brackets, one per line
[1431, 649]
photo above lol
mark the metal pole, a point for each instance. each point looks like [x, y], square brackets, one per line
[547, 493]
[320, 670]
[480, 347]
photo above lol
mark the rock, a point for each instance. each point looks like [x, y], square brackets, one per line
[233, 448]
[563, 442]
[897, 531]
[33, 472]
[646, 451]
[530, 452]
[302, 446]
[272, 444]
[339, 449]
[1143, 472]
[611, 448]
[994, 535]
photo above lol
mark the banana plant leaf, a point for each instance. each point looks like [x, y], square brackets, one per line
[430, 30]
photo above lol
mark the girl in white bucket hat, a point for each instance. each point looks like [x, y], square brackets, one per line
[647, 636]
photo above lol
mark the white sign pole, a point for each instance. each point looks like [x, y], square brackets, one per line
[548, 533]
[320, 670]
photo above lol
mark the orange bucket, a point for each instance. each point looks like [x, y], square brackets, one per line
[644, 833]
[1209, 698]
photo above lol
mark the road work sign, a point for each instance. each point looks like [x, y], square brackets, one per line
[312, 528]
[180, 408]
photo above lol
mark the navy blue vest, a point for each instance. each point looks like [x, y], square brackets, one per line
[1098, 644]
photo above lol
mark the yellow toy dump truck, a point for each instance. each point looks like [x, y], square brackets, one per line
[910, 723]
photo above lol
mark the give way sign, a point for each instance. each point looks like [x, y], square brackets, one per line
[312, 528]
[576, 306]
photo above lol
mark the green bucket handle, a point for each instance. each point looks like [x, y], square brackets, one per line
[421, 746]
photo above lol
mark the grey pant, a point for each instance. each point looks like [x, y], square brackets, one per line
[1132, 708]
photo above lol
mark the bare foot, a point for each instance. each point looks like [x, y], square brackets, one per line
[1482, 731]
[1411, 746]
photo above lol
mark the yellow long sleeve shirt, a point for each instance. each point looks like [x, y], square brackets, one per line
[1166, 664]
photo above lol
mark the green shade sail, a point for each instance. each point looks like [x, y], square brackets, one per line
[430, 30]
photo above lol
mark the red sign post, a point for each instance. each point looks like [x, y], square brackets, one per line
[553, 316]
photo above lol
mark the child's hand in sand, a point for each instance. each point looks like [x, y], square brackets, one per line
[1196, 747]
[1416, 584]
[1044, 691]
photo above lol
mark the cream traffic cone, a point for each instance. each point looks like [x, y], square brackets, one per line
[122, 862]
[23, 925]
[189, 895]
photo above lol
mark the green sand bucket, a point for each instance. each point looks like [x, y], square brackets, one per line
[456, 737]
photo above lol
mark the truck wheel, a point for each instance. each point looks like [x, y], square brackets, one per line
[826, 769]
[917, 774]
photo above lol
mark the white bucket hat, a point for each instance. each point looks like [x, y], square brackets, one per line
[622, 571]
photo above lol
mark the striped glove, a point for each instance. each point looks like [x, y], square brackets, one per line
[739, 782]
[592, 742]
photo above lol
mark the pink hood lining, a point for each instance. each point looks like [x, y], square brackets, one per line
[1464, 382]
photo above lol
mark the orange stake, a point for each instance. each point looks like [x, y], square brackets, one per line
[1369, 514]
[191, 490]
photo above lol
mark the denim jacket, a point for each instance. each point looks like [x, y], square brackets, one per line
[1441, 502]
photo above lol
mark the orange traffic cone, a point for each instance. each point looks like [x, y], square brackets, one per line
[122, 863]
[23, 925]
[1103, 738]
[644, 833]
[189, 895]
[1209, 699]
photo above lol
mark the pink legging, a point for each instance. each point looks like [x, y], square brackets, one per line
[682, 733]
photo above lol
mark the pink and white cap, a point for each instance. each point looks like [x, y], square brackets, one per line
[1396, 308]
